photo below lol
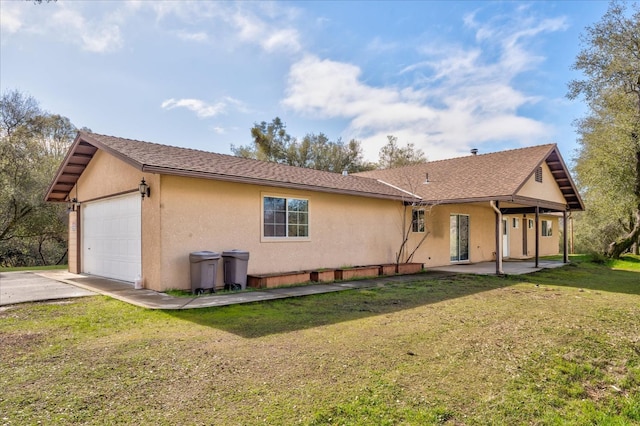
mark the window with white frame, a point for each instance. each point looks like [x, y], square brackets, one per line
[516, 222]
[285, 217]
[417, 220]
[530, 223]
[547, 228]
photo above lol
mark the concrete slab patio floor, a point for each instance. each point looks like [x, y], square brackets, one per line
[24, 286]
[155, 300]
[509, 267]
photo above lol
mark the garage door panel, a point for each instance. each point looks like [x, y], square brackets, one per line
[112, 237]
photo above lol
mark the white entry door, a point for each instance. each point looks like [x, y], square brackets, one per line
[505, 237]
[111, 237]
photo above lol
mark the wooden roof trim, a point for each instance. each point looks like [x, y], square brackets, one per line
[78, 157]
[120, 156]
[527, 201]
[61, 171]
[574, 190]
[560, 175]
[263, 182]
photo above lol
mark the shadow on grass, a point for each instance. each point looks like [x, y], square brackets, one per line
[589, 276]
[287, 315]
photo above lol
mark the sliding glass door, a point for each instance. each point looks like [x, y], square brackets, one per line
[459, 237]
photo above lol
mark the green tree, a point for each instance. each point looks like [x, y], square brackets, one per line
[391, 155]
[32, 145]
[608, 162]
[333, 156]
[272, 142]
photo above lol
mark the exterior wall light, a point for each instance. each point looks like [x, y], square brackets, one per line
[144, 189]
[72, 205]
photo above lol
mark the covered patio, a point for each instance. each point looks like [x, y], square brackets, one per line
[509, 267]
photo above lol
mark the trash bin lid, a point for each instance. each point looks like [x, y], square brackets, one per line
[238, 254]
[199, 256]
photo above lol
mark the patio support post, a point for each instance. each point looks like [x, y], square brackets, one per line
[495, 206]
[571, 246]
[537, 236]
[565, 237]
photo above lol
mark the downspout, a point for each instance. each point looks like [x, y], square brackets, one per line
[495, 208]
[537, 236]
[565, 238]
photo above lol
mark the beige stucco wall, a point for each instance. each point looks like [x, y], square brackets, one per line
[72, 252]
[199, 214]
[106, 176]
[547, 245]
[515, 236]
[547, 190]
[550, 245]
[435, 250]
[151, 236]
[183, 215]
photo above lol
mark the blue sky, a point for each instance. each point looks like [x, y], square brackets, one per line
[446, 76]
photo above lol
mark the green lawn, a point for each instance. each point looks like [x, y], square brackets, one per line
[557, 347]
[33, 268]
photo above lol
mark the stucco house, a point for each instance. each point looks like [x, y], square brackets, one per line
[290, 218]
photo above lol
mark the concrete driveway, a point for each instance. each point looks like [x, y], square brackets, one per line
[19, 287]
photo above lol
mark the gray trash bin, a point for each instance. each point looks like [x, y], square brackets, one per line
[235, 269]
[204, 269]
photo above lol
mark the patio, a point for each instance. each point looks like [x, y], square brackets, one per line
[509, 267]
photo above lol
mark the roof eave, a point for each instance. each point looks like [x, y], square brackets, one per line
[266, 182]
[60, 171]
[95, 142]
[550, 205]
[572, 205]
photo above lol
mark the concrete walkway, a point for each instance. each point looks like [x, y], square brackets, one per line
[87, 285]
[154, 300]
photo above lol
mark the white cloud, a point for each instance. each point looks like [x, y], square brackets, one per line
[462, 97]
[66, 21]
[199, 36]
[331, 89]
[10, 18]
[92, 35]
[446, 118]
[202, 108]
[261, 23]
[380, 46]
[271, 36]
[101, 26]
[286, 40]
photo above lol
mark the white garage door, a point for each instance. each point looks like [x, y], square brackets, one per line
[111, 244]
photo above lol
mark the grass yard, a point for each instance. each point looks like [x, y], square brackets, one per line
[557, 347]
[33, 268]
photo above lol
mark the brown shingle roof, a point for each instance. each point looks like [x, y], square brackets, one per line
[495, 176]
[164, 159]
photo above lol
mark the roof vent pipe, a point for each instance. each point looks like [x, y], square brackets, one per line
[474, 151]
